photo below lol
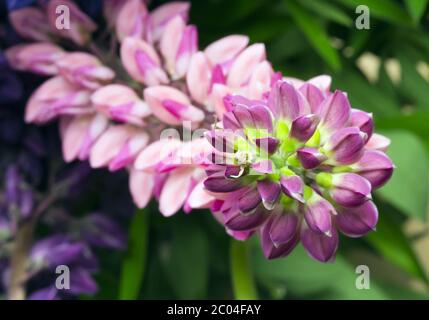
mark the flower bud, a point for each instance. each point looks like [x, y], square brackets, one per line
[85, 70]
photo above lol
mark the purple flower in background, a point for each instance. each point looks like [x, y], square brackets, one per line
[299, 165]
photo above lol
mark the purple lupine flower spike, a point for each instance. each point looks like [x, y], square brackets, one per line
[295, 167]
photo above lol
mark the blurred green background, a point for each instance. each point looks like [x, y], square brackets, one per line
[384, 70]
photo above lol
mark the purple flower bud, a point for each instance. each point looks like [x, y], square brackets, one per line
[221, 140]
[272, 251]
[262, 117]
[286, 102]
[318, 245]
[350, 189]
[55, 250]
[313, 95]
[269, 192]
[335, 111]
[317, 214]
[363, 121]
[357, 221]
[237, 221]
[269, 144]
[284, 227]
[293, 187]
[303, 127]
[81, 282]
[218, 183]
[310, 158]
[346, 145]
[243, 116]
[230, 122]
[249, 201]
[232, 172]
[263, 166]
[101, 231]
[375, 166]
[12, 184]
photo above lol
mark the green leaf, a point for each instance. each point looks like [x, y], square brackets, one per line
[185, 260]
[391, 242]
[328, 11]
[316, 34]
[413, 85]
[383, 9]
[416, 8]
[301, 276]
[416, 122]
[409, 187]
[133, 265]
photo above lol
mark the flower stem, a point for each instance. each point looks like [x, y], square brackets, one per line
[134, 263]
[242, 278]
[18, 269]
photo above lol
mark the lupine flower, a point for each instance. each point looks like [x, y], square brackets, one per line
[39, 58]
[301, 159]
[161, 61]
[296, 166]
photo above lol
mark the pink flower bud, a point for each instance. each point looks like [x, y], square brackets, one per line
[244, 65]
[178, 44]
[142, 62]
[129, 151]
[171, 105]
[198, 77]
[30, 23]
[141, 186]
[114, 141]
[54, 97]
[120, 103]
[378, 142]
[163, 14]
[156, 153]
[260, 81]
[177, 186]
[132, 20]
[84, 69]
[80, 134]
[225, 50]
[39, 58]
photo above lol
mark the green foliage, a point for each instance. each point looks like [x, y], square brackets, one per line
[133, 265]
[392, 244]
[185, 260]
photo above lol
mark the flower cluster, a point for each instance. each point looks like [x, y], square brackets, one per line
[297, 165]
[116, 123]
